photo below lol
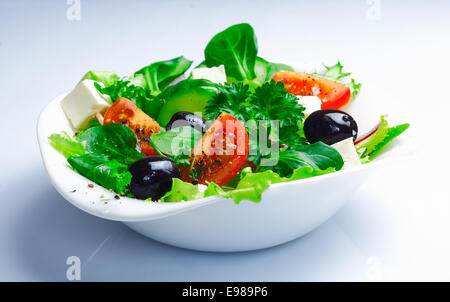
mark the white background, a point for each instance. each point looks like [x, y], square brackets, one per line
[395, 227]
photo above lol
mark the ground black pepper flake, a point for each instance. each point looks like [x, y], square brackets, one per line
[73, 191]
[90, 186]
[116, 197]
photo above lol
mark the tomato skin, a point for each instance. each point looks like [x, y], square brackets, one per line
[124, 111]
[334, 95]
[228, 134]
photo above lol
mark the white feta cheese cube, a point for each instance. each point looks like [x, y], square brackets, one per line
[214, 74]
[311, 103]
[83, 102]
[202, 188]
[348, 152]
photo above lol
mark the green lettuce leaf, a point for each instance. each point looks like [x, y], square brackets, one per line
[250, 187]
[182, 191]
[107, 78]
[335, 73]
[66, 145]
[372, 145]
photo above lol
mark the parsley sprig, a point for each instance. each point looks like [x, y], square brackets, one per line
[268, 102]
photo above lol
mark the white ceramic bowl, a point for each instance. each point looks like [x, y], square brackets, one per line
[287, 210]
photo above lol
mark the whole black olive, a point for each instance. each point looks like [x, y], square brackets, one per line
[184, 118]
[329, 126]
[152, 177]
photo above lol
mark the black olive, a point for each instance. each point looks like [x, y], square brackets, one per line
[152, 177]
[329, 126]
[184, 118]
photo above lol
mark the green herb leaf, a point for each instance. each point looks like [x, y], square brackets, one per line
[102, 154]
[103, 170]
[377, 141]
[236, 49]
[335, 73]
[250, 187]
[182, 191]
[176, 143]
[66, 145]
[271, 101]
[159, 75]
[318, 156]
[268, 102]
[232, 99]
[143, 98]
[117, 141]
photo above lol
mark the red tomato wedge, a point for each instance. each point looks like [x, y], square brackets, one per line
[334, 95]
[124, 111]
[220, 154]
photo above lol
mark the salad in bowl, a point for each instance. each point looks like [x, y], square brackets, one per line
[227, 128]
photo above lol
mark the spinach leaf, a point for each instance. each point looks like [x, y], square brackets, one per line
[103, 170]
[159, 75]
[318, 156]
[101, 154]
[179, 140]
[105, 77]
[236, 49]
[114, 140]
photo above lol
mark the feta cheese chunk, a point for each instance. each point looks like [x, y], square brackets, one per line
[202, 188]
[214, 74]
[348, 152]
[311, 103]
[83, 102]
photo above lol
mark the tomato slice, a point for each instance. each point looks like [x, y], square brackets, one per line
[124, 111]
[220, 154]
[334, 95]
